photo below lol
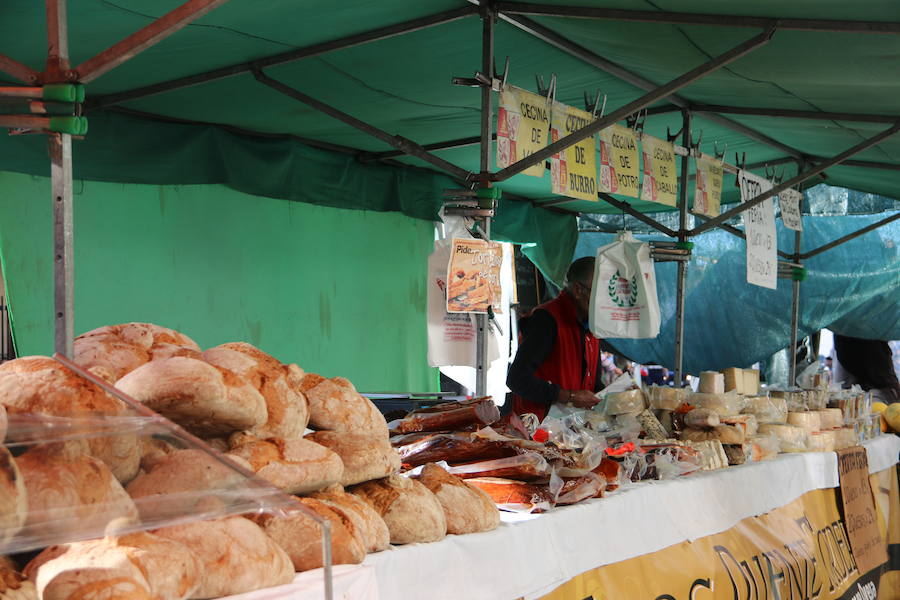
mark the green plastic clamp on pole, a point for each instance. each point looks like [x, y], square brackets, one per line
[684, 245]
[63, 92]
[70, 125]
[798, 274]
[487, 197]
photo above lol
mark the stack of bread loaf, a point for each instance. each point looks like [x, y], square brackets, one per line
[498, 456]
[245, 404]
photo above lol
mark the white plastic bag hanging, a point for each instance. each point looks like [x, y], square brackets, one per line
[624, 303]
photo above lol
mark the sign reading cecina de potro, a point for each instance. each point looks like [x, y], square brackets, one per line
[620, 171]
[573, 172]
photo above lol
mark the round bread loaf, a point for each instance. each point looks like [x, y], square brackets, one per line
[377, 536]
[335, 405]
[295, 466]
[411, 512]
[120, 349]
[38, 385]
[234, 556]
[279, 384]
[300, 536]
[13, 498]
[364, 456]
[198, 396]
[467, 508]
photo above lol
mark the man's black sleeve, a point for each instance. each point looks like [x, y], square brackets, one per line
[536, 346]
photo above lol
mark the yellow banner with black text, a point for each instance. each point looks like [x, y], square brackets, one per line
[797, 552]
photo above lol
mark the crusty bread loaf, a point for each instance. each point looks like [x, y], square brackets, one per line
[279, 384]
[14, 585]
[196, 395]
[70, 493]
[364, 456]
[13, 498]
[122, 348]
[4, 423]
[38, 385]
[295, 466]
[301, 536]
[234, 556]
[192, 474]
[335, 405]
[112, 567]
[411, 511]
[467, 508]
[377, 536]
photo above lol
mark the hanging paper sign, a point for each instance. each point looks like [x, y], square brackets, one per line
[473, 276]
[791, 200]
[573, 172]
[708, 186]
[759, 226]
[523, 122]
[619, 172]
[660, 182]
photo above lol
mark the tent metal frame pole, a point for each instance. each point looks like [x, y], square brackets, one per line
[865, 164]
[850, 236]
[405, 145]
[60, 150]
[740, 234]
[654, 95]
[144, 38]
[682, 18]
[341, 43]
[488, 22]
[681, 282]
[800, 178]
[627, 208]
[795, 313]
[18, 70]
[794, 114]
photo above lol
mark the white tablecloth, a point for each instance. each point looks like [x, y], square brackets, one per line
[530, 555]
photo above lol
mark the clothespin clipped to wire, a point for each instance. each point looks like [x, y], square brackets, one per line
[592, 107]
[547, 91]
[695, 146]
[671, 137]
[637, 120]
[720, 157]
[505, 73]
[740, 162]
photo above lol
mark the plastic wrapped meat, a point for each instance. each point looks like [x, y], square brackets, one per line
[450, 447]
[517, 496]
[527, 466]
[448, 416]
[581, 488]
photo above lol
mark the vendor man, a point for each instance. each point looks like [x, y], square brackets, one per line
[559, 358]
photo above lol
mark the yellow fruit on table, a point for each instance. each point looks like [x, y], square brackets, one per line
[892, 416]
[878, 407]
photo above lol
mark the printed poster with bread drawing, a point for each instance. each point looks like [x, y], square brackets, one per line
[473, 276]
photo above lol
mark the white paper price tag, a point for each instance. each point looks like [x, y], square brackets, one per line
[791, 201]
[759, 226]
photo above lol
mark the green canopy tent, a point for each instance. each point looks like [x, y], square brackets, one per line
[237, 96]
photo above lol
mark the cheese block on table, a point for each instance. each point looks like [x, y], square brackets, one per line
[712, 455]
[751, 382]
[712, 382]
[765, 447]
[791, 437]
[807, 420]
[725, 434]
[734, 380]
[822, 441]
[721, 404]
[748, 423]
[666, 398]
[831, 418]
[701, 418]
[767, 409]
[629, 401]
[845, 437]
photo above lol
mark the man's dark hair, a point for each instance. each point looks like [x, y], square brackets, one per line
[581, 271]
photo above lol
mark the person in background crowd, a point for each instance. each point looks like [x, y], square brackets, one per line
[559, 358]
[870, 364]
[609, 368]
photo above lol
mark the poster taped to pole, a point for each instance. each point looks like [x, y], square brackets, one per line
[790, 201]
[523, 124]
[708, 186]
[660, 182]
[473, 276]
[759, 226]
[573, 172]
[619, 167]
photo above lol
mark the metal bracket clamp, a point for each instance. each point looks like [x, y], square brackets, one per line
[793, 271]
[477, 203]
[480, 80]
[661, 251]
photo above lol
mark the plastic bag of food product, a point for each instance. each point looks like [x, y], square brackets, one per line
[589, 485]
[666, 398]
[748, 423]
[524, 467]
[767, 409]
[701, 418]
[791, 438]
[628, 401]
[726, 404]
[765, 447]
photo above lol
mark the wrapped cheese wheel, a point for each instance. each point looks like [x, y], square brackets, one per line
[712, 382]
[822, 441]
[765, 447]
[747, 423]
[844, 438]
[831, 418]
[807, 420]
[629, 401]
[701, 418]
[791, 437]
[725, 434]
[721, 404]
[665, 398]
[767, 410]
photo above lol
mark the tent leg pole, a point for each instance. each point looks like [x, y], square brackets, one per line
[682, 237]
[795, 313]
[60, 150]
[488, 20]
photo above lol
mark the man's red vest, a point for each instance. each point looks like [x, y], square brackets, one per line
[572, 364]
